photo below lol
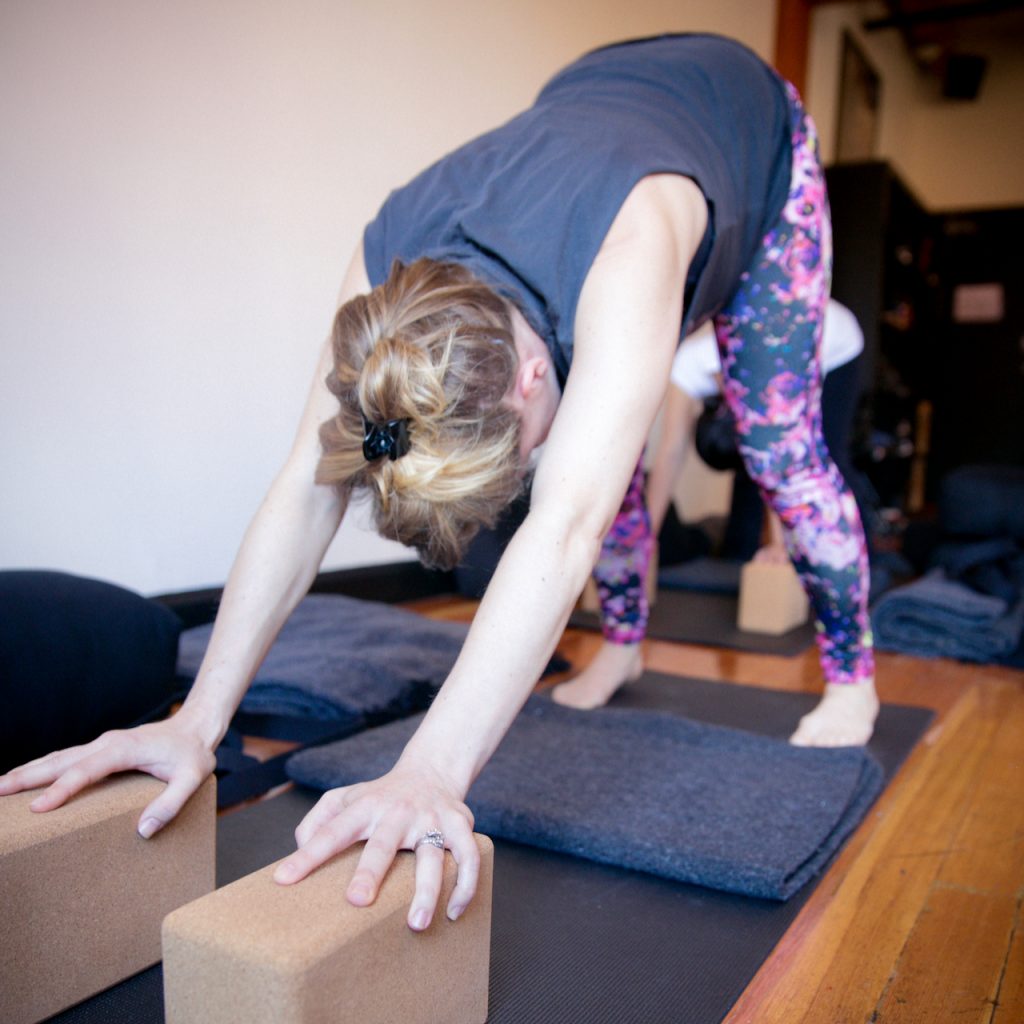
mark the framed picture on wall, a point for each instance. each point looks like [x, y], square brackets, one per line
[860, 94]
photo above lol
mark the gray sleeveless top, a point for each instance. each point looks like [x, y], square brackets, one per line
[526, 207]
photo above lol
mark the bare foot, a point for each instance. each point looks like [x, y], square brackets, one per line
[844, 718]
[613, 665]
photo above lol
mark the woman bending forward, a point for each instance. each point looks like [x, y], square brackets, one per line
[530, 288]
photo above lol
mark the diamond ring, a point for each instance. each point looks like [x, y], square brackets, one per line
[431, 838]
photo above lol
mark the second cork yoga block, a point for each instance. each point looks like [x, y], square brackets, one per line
[772, 599]
[264, 953]
[82, 895]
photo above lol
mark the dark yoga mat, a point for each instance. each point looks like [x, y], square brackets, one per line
[690, 617]
[705, 575]
[576, 942]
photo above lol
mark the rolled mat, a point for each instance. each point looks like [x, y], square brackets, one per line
[646, 790]
[701, 617]
[705, 575]
[574, 941]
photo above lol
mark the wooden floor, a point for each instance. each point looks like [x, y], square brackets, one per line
[919, 918]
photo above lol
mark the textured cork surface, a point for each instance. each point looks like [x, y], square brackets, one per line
[83, 895]
[301, 954]
[772, 600]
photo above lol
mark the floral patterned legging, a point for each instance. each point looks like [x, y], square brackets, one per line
[768, 338]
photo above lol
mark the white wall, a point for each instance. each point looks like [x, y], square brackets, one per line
[954, 155]
[181, 185]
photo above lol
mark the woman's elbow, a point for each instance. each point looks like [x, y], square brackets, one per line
[576, 535]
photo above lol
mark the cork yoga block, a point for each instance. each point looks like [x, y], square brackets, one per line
[263, 953]
[83, 895]
[772, 599]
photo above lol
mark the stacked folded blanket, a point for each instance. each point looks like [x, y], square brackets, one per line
[647, 790]
[936, 616]
[340, 659]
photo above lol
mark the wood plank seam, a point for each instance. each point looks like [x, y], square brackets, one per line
[977, 722]
[1014, 937]
[968, 938]
[1006, 958]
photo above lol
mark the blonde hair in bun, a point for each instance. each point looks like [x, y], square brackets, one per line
[433, 346]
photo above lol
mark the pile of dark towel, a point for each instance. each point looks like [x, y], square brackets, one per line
[970, 603]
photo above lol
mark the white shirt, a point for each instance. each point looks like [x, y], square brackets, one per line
[697, 365]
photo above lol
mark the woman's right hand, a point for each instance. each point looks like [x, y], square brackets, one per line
[392, 813]
[171, 750]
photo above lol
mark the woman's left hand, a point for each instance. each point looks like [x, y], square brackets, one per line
[392, 813]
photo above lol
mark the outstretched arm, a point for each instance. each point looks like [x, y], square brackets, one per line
[278, 558]
[626, 331]
[625, 561]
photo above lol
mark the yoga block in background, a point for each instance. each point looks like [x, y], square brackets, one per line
[264, 953]
[772, 599]
[82, 895]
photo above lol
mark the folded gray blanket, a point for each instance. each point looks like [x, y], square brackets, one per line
[346, 660]
[937, 617]
[647, 790]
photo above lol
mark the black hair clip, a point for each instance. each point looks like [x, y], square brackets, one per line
[380, 439]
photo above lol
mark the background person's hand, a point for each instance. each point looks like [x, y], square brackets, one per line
[391, 813]
[170, 750]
